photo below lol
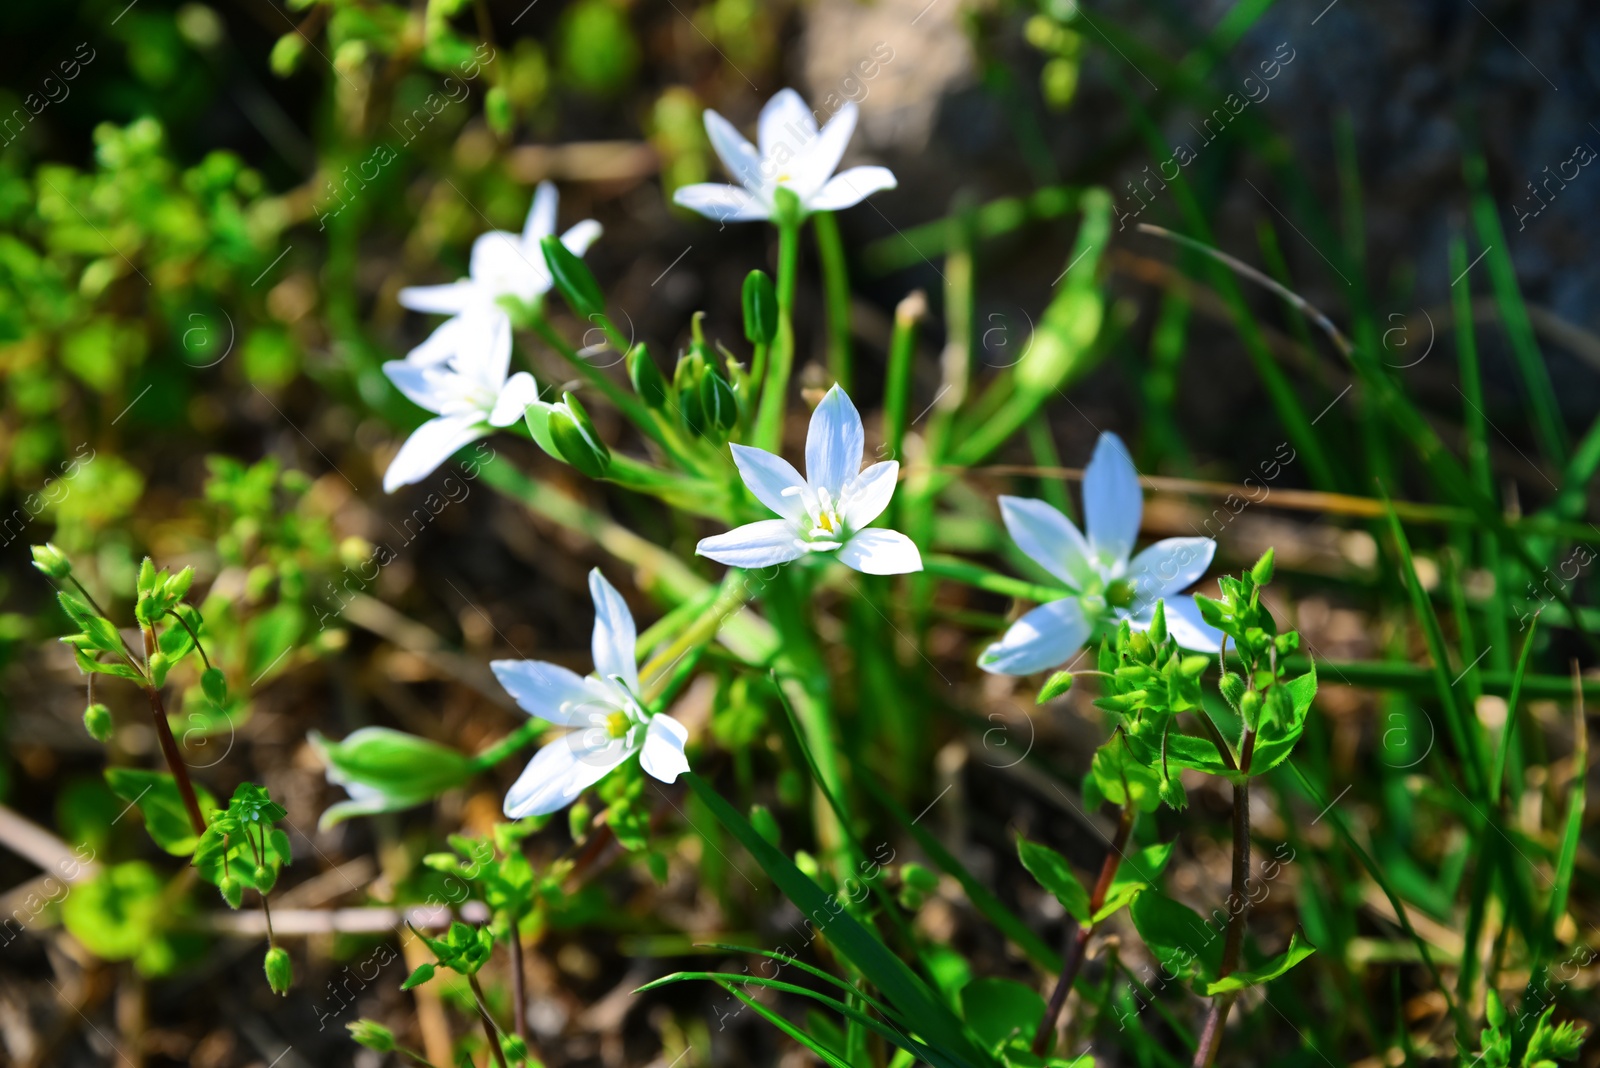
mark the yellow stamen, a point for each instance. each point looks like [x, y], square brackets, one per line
[617, 724]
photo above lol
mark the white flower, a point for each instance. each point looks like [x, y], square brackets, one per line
[1105, 583]
[794, 153]
[503, 264]
[828, 510]
[467, 388]
[605, 709]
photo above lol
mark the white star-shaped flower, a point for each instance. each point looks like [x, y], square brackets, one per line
[794, 154]
[468, 389]
[604, 709]
[828, 510]
[1105, 583]
[503, 264]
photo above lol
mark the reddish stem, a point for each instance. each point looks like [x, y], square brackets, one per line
[1079, 935]
[169, 745]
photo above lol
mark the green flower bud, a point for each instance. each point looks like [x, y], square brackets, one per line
[215, 685]
[648, 382]
[178, 585]
[147, 576]
[97, 721]
[575, 436]
[1055, 686]
[159, 666]
[716, 397]
[232, 891]
[760, 309]
[264, 878]
[515, 1048]
[1232, 687]
[51, 561]
[1261, 573]
[1158, 623]
[572, 278]
[371, 1034]
[1250, 708]
[280, 973]
[387, 770]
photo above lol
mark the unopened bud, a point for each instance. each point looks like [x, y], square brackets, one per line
[280, 972]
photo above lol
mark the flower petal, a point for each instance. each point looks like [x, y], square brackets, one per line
[450, 299]
[502, 266]
[880, 552]
[581, 235]
[430, 445]
[724, 203]
[1048, 538]
[541, 215]
[662, 755]
[849, 188]
[422, 386]
[767, 476]
[551, 692]
[562, 770]
[738, 155]
[787, 124]
[484, 353]
[519, 392]
[835, 441]
[817, 163]
[440, 345]
[761, 544]
[614, 633]
[1047, 636]
[1113, 504]
[868, 494]
[1166, 567]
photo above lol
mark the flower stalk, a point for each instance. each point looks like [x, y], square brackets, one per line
[780, 361]
[169, 744]
[1238, 904]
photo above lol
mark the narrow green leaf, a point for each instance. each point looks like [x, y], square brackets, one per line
[866, 951]
[1299, 949]
[1052, 872]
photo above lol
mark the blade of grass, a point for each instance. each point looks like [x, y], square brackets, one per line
[1463, 731]
[1544, 410]
[836, 291]
[830, 1058]
[1008, 923]
[1503, 749]
[900, 985]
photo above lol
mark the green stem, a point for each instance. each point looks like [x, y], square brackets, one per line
[736, 590]
[982, 578]
[508, 745]
[897, 381]
[775, 389]
[836, 287]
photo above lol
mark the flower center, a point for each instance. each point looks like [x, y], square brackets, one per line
[1120, 593]
[826, 522]
[618, 724]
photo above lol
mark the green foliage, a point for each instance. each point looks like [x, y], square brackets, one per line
[1548, 1043]
[156, 795]
[1052, 872]
[463, 950]
[242, 847]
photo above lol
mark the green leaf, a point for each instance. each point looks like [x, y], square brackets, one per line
[159, 802]
[1183, 942]
[999, 1009]
[1138, 871]
[115, 913]
[1299, 949]
[423, 973]
[899, 984]
[1053, 873]
[828, 1056]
